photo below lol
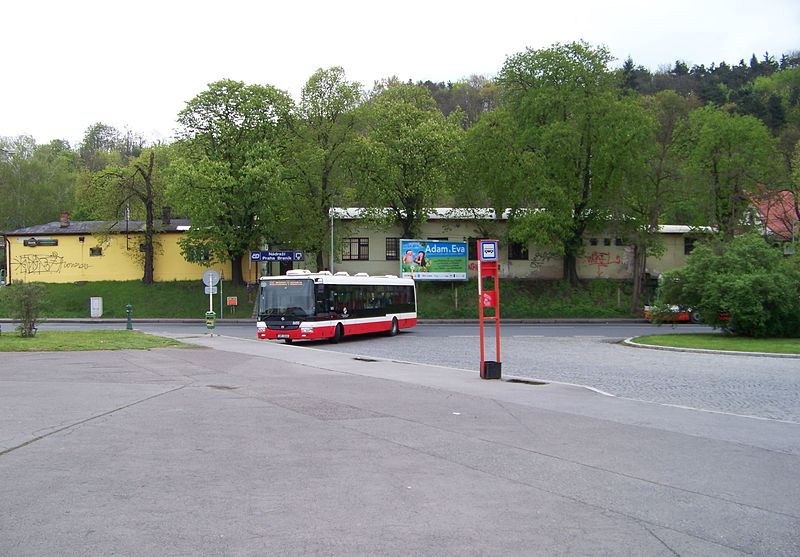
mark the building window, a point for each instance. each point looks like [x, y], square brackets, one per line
[619, 242]
[392, 249]
[472, 249]
[606, 241]
[356, 249]
[517, 251]
[688, 245]
[95, 252]
[592, 241]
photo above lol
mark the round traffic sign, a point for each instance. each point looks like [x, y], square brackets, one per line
[210, 277]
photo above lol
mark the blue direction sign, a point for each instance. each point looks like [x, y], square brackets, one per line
[282, 255]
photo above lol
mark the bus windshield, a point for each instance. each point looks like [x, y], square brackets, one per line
[286, 298]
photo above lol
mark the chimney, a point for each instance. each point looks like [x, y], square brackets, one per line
[166, 215]
[64, 219]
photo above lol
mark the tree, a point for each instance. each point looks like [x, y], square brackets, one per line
[323, 130]
[100, 147]
[727, 156]
[229, 178]
[495, 168]
[744, 285]
[795, 189]
[134, 189]
[406, 158]
[646, 201]
[25, 300]
[37, 182]
[582, 138]
[473, 96]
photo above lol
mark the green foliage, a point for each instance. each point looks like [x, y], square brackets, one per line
[24, 301]
[137, 189]
[473, 97]
[726, 155]
[496, 166]
[746, 280]
[716, 341]
[229, 178]
[161, 299]
[36, 181]
[582, 141]
[185, 299]
[61, 341]
[405, 160]
[323, 129]
[104, 145]
[526, 299]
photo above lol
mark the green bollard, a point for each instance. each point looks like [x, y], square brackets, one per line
[129, 312]
[210, 319]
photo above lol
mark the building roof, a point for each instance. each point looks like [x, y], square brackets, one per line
[463, 213]
[97, 226]
[439, 213]
[777, 214]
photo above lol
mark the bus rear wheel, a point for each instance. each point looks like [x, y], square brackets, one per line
[395, 328]
[337, 334]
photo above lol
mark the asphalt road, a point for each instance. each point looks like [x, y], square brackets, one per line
[254, 448]
[581, 354]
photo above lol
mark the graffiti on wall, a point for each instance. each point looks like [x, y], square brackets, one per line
[31, 264]
[602, 259]
[539, 259]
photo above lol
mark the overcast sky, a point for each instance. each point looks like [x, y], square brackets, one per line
[68, 64]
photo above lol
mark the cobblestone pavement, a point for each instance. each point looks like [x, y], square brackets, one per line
[753, 386]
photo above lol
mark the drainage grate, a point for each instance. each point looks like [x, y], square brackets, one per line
[365, 359]
[222, 387]
[526, 381]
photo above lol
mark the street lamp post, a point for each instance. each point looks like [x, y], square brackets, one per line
[330, 257]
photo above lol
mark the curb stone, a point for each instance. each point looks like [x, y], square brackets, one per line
[629, 342]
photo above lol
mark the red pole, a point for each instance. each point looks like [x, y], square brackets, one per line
[480, 309]
[497, 316]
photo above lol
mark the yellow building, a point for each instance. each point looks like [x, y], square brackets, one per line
[65, 251]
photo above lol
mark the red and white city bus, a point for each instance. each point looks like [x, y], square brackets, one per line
[302, 305]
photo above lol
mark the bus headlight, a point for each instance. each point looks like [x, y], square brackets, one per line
[306, 329]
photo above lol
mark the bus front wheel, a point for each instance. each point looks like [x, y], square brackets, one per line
[338, 333]
[395, 327]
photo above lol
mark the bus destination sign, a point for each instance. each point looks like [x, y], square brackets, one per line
[281, 255]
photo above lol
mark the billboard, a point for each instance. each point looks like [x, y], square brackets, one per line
[433, 260]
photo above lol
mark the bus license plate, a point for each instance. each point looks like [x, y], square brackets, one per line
[283, 335]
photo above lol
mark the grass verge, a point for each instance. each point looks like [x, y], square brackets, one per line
[525, 299]
[162, 299]
[57, 341]
[456, 300]
[719, 341]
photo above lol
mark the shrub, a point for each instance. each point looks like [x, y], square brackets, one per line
[746, 286]
[25, 301]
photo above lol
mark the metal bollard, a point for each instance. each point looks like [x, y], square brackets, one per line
[129, 312]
